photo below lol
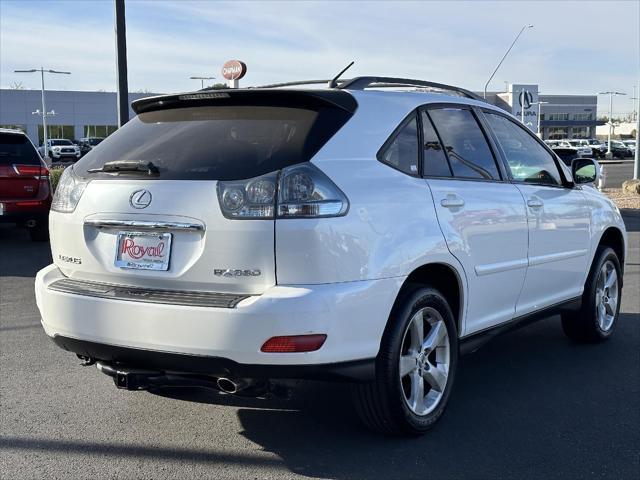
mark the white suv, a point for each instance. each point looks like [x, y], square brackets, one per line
[236, 238]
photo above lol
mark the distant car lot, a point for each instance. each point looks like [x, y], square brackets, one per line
[528, 405]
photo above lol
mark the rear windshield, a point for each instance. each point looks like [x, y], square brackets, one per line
[17, 149]
[217, 142]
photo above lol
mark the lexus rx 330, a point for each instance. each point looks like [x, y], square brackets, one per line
[237, 238]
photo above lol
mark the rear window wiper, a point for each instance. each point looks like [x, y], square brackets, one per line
[128, 166]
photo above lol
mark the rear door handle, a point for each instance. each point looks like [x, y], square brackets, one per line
[452, 201]
[535, 203]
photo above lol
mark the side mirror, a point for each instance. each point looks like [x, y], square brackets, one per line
[585, 170]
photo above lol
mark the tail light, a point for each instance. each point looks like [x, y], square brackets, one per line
[68, 192]
[35, 171]
[300, 191]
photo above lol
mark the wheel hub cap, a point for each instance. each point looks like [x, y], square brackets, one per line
[424, 361]
[607, 296]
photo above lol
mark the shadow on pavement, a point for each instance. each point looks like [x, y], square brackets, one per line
[134, 451]
[631, 219]
[524, 403]
[19, 256]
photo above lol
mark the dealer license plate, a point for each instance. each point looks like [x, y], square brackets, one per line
[143, 251]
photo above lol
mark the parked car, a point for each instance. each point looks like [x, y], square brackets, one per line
[25, 191]
[566, 154]
[598, 149]
[620, 150]
[341, 233]
[584, 151]
[61, 149]
[631, 146]
[86, 144]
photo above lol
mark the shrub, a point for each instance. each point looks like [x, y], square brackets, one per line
[54, 176]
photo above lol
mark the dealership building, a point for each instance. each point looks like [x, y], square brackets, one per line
[561, 116]
[77, 114]
[94, 114]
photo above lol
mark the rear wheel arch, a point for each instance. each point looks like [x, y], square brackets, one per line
[442, 277]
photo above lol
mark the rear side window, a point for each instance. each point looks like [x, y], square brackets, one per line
[465, 144]
[527, 159]
[17, 149]
[435, 160]
[218, 142]
[401, 152]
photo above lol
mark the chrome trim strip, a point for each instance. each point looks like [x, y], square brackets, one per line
[490, 268]
[145, 225]
[556, 257]
[147, 295]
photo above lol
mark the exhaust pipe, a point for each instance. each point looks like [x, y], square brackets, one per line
[232, 386]
[30, 223]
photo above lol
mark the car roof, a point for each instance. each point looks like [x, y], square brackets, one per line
[12, 131]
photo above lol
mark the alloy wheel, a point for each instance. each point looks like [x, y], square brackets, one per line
[607, 295]
[424, 361]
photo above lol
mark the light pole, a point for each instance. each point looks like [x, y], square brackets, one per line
[636, 163]
[539, 117]
[611, 94]
[42, 71]
[505, 56]
[202, 79]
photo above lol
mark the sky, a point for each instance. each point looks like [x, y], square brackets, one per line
[581, 47]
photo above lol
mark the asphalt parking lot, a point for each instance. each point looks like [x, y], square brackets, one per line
[528, 405]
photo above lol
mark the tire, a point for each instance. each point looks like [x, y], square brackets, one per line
[39, 233]
[384, 404]
[591, 323]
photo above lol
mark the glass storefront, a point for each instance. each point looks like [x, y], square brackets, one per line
[580, 132]
[101, 131]
[56, 131]
[558, 133]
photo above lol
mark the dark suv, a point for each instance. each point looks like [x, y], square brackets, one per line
[86, 144]
[25, 191]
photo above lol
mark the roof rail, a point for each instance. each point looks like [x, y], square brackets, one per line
[293, 84]
[360, 83]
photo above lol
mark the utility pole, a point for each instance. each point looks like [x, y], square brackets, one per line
[611, 95]
[44, 112]
[121, 63]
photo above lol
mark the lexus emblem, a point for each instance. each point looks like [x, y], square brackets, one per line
[525, 99]
[140, 198]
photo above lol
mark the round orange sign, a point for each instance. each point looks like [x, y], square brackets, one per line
[234, 70]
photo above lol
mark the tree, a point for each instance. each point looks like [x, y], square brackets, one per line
[218, 86]
[16, 86]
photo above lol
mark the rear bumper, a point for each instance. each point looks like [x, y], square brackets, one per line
[356, 370]
[353, 315]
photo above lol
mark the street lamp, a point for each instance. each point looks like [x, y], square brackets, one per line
[539, 129]
[611, 94]
[505, 56]
[202, 79]
[636, 162]
[44, 112]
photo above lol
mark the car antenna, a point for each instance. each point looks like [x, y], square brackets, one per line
[333, 83]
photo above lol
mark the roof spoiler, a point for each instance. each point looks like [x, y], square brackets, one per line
[250, 97]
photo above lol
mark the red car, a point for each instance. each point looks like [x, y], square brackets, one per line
[25, 191]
